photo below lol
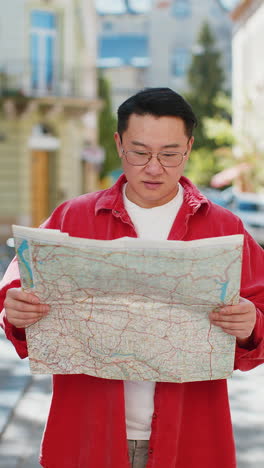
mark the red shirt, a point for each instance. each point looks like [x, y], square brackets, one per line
[191, 425]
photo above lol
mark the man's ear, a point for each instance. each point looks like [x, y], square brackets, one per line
[189, 145]
[118, 144]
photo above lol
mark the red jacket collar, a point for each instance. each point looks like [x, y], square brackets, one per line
[112, 198]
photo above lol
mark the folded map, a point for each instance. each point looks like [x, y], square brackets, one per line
[128, 308]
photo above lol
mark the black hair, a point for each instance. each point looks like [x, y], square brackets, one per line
[157, 102]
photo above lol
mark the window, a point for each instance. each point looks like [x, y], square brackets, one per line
[180, 62]
[181, 8]
[107, 26]
[42, 53]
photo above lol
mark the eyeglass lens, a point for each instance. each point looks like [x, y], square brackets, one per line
[137, 158]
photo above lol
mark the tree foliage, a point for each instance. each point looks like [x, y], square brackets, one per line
[212, 107]
[206, 81]
[205, 75]
[107, 124]
[202, 165]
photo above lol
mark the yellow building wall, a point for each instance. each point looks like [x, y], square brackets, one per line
[68, 175]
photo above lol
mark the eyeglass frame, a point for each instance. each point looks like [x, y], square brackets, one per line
[151, 153]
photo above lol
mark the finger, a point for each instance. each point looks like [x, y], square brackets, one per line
[235, 326]
[219, 317]
[238, 334]
[23, 296]
[18, 315]
[28, 308]
[238, 309]
[238, 331]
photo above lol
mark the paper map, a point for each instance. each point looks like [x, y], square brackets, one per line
[130, 309]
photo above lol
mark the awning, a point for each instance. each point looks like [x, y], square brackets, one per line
[227, 176]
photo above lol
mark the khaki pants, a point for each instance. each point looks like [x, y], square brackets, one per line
[138, 453]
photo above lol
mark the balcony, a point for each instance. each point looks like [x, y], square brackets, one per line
[70, 88]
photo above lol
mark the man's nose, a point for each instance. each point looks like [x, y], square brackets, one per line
[154, 166]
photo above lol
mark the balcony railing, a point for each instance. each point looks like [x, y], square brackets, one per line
[40, 80]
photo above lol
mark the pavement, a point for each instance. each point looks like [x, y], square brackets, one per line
[24, 406]
[247, 407]
[25, 399]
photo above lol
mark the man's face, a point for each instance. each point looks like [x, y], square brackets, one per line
[153, 185]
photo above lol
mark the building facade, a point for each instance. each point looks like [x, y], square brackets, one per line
[153, 45]
[248, 74]
[123, 45]
[48, 106]
[174, 29]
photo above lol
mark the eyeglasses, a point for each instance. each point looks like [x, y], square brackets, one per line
[142, 158]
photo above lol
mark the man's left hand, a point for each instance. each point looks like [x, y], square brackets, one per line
[237, 320]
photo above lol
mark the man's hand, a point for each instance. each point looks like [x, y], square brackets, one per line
[237, 320]
[23, 308]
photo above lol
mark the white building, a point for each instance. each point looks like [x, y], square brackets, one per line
[248, 74]
[174, 29]
[123, 45]
[151, 42]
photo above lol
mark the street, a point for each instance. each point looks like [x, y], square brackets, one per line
[247, 406]
[24, 404]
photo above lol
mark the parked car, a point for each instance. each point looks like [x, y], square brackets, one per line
[248, 206]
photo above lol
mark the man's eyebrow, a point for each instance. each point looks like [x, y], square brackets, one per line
[171, 145]
[138, 143]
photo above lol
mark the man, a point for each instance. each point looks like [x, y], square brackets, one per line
[167, 425]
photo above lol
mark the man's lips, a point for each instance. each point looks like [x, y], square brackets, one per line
[151, 184]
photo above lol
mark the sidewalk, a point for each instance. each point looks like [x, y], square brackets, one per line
[14, 379]
[247, 406]
[30, 397]
[24, 405]
[19, 445]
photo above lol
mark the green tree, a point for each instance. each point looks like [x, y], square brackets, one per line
[206, 81]
[107, 124]
[212, 107]
[215, 154]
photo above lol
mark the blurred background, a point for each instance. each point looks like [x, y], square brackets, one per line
[65, 67]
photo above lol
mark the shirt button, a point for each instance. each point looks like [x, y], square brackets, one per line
[154, 415]
[150, 451]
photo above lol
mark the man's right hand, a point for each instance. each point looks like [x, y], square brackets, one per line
[23, 308]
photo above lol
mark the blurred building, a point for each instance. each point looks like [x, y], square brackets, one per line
[174, 29]
[48, 107]
[248, 74]
[123, 45]
[151, 42]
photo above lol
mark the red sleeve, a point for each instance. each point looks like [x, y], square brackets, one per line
[252, 288]
[17, 336]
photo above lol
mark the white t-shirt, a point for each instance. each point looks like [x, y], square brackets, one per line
[150, 224]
